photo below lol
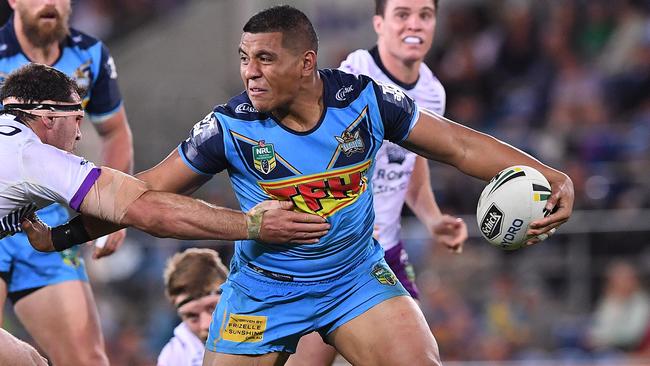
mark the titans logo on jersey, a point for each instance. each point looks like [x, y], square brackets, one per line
[324, 171]
[83, 58]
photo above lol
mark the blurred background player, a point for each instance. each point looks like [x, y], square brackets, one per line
[192, 281]
[38, 283]
[405, 31]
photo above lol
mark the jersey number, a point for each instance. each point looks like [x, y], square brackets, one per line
[9, 130]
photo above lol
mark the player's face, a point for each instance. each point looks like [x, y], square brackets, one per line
[43, 21]
[271, 73]
[406, 29]
[197, 314]
[65, 131]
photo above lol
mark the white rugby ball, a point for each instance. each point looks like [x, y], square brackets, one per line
[513, 199]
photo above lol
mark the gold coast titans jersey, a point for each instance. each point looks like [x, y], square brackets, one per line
[324, 171]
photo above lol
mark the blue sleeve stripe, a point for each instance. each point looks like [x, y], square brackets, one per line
[414, 121]
[101, 117]
[189, 165]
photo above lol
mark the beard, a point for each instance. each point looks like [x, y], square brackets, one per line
[42, 34]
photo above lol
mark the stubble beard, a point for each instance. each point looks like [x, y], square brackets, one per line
[43, 35]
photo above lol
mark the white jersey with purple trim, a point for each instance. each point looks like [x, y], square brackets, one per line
[394, 164]
[35, 174]
[184, 349]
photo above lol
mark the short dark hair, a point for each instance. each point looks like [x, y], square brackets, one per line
[193, 272]
[297, 30]
[380, 6]
[37, 82]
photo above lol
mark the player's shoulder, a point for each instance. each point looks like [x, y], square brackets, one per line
[239, 108]
[80, 40]
[8, 42]
[357, 61]
[429, 79]
[341, 87]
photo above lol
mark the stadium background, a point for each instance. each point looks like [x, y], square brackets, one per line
[567, 81]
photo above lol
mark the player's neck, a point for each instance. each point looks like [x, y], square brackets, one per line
[405, 72]
[306, 110]
[42, 55]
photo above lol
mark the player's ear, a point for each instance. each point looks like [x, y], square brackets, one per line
[308, 62]
[12, 4]
[48, 122]
[377, 22]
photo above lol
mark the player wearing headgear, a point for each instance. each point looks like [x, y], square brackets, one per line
[38, 31]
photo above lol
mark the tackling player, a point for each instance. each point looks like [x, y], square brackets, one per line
[192, 283]
[38, 31]
[405, 30]
[311, 136]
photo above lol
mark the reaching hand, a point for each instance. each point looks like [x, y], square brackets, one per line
[38, 233]
[450, 232]
[275, 222]
[107, 245]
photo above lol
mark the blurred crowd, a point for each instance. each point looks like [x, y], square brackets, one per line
[567, 81]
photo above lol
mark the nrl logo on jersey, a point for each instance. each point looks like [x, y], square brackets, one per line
[384, 275]
[264, 157]
[245, 108]
[342, 93]
[350, 142]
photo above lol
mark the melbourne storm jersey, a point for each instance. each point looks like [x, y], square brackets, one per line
[394, 164]
[83, 58]
[324, 171]
[35, 175]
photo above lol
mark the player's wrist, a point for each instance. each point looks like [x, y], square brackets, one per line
[70, 234]
[254, 223]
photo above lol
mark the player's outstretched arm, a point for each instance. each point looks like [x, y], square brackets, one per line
[117, 200]
[445, 229]
[482, 156]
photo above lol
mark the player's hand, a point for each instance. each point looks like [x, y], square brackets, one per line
[451, 232]
[38, 233]
[107, 245]
[558, 208]
[279, 224]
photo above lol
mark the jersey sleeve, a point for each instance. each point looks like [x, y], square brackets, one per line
[204, 151]
[105, 97]
[399, 112]
[55, 175]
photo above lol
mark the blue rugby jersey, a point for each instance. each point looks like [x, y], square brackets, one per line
[324, 171]
[83, 58]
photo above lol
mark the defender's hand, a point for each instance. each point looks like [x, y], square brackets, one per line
[107, 245]
[275, 222]
[450, 232]
[38, 233]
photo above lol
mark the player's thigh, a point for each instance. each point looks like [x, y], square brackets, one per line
[63, 320]
[223, 359]
[392, 333]
[312, 351]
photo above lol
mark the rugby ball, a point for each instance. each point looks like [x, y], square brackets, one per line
[514, 198]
